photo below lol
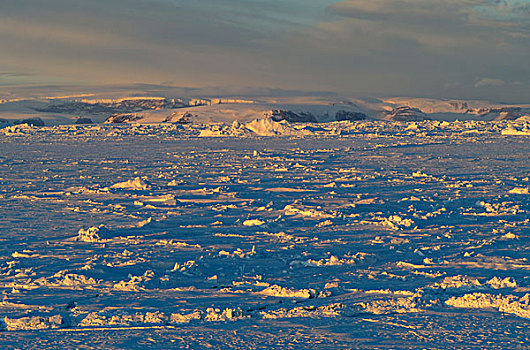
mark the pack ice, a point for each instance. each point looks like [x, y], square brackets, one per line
[265, 232]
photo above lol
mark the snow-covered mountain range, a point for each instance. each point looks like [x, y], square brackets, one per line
[160, 109]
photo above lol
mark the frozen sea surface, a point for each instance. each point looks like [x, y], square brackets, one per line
[362, 235]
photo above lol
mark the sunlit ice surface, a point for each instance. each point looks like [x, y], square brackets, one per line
[345, 235]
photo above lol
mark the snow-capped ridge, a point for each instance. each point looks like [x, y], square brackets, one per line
[308, 117]
[207, 110]
[406, 114]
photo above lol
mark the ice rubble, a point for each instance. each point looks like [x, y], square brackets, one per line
[415, 303]
[258, 127]
[64, 278]
[278, 291]
[517, 131]
[117, 318]
[467, 283]
[504, 303]
[268, 127]
[135, 283]
[102, 234]
[32, 323]
[91, 234]
[336, 261]
[108, 319]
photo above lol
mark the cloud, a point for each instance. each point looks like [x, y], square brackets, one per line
[439, 24]
[185, 42]
[419, 46]
[112, 41]
[358, 47]
[484, 82]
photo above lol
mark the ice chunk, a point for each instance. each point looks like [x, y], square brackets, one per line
[92, 234]
[253, 222]
[519, 190]
[136, 184]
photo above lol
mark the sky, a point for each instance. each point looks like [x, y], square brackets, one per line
[465, 49]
